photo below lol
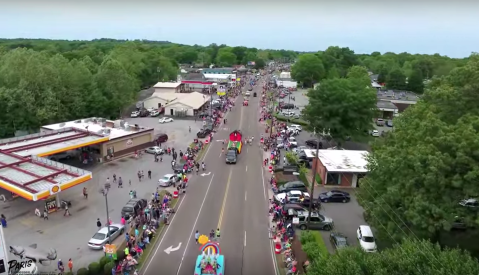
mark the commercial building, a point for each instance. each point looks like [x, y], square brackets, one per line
[168, 87]
[387, 109]
[286, 82]
[177, 104]
[27, 171]
[339, 168]
[401, 99]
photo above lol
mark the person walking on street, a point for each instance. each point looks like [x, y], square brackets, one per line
[45, 215]
[197, 236]
[98, 223]
[120, 183]
[149, 174]
[70, 265]
[85, 193]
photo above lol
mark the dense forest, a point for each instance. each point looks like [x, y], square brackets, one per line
[46, 81]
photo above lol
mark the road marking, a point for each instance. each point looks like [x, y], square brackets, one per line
[245, 238]
[245, 193]
[275, 264]
[246, 168]
[171, 249]
[194, 225]
[264, 188]
[224, 200]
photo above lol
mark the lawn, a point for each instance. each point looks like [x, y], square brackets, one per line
[320, 241]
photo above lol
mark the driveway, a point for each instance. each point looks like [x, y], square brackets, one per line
[347, 217]
[25, 229]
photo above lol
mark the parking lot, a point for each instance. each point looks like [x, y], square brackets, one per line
[25, 229]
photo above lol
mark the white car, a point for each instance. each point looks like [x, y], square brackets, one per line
[375, 133]
[167, 180]
[366, 238]
[135, 114]
[296, 126]
[165, 120]
[472, 203]
[150, 109]
[292, 141]
[292, 196]
[101, 237]
[156, 150]
[287, 113]
[155, 113]
[247, 93]
[299, 149]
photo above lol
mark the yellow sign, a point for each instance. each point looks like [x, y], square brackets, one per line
[221, 93]
[55, 189]
[110, 249]
[238, 79]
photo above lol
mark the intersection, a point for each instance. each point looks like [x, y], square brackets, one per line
[232, 198]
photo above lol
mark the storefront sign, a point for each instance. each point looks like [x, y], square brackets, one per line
[55, 189]
[51, 204]
[295, 220]
[110, 250]
[129, 142]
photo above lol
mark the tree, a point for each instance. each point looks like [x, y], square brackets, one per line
[360, 74]
[396, 80]
[326, 111]
[308, 69]
[409, 257]
[225, 58]
[415, 82]
[333, 73]
[259, 63]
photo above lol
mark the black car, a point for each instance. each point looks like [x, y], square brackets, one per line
[287, 106]
[231, 156]
[178, 168]
[294, 206]
[314, 143]
[203, 115]
[305, 204]
[254, 94]
[292, 185]
[133, 207]
[161, 138]
[334, 196]
[203, 133]
[338, 240]
[250, 88]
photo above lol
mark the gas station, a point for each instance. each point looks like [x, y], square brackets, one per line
[27, 172]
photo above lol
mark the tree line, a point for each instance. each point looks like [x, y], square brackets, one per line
[402, 71]
[48, 81]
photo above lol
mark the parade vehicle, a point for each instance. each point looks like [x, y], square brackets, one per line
[236, 141]
[210, 261]
[245, 103]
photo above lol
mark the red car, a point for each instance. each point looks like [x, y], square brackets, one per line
[245, 103]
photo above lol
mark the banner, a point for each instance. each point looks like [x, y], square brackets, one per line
[221, 90]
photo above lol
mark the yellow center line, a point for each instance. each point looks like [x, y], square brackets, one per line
[224, 200]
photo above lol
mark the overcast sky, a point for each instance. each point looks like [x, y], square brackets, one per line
[445, 27]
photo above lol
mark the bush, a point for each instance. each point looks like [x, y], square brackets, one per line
[312, 250]
[302, 177]
[94, 268]
[82, 271]
[103, 261]
[108, 267]
[306, 237]
[295, 121]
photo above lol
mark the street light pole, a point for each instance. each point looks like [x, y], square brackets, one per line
[104, 192]
[314, 180]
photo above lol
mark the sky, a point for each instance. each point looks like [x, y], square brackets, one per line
[422, 26]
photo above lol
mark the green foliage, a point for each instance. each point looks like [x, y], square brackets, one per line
[396, 80]
[415, 82]
[313, 245]
[295, 121]
[83, 271]
[410, 257]
[344, 107]
[108, 267]
[259, 63]
[103, 261]
[307, 237]
[308, 70]
[291, 158]
[94, 268]
[428, 164]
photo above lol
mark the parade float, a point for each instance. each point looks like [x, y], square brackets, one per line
[210, 261]
[236, 141]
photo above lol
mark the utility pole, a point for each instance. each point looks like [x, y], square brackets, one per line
[104, 192]
[314, 179]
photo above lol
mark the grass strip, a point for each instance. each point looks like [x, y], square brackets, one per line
[320, 241]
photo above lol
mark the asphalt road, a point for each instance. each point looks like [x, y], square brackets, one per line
[232, 198]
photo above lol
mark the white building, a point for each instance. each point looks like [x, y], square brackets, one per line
[169, 87]
[285, 75]
[176, 103]
[286, 82]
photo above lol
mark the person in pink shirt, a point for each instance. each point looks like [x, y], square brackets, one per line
[123, 221]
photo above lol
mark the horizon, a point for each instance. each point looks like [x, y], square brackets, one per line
[416, 28]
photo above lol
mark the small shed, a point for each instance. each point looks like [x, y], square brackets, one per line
[167, 87]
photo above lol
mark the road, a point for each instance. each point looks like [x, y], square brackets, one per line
[230, 197]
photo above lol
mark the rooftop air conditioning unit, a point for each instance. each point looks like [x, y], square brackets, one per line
[95, 120]
[62, 124]
[122, 123]
[103, 124]
[106, 131]
[103, 119]
[126, 126]
[78, 121]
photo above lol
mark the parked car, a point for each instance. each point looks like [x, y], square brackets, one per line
[295, 207]
[317, 222]
[165, 120]
[338, 240]
[61, 156]
[296, 126]
[292, 142]
[203, 133]
[102, 237]
[334, 196]
[380, 122]
[178, 168]
[299, 149]
[144, 113]
[168, 180]
[287, 106]
[472, 203]
[366, 238]
[132, 207]
[161, 138]
[313, 143]
[292, 185]
[154, 113]
[292, 196]
[389, 123]
[375, 133]
[156, 150]
[135, 114]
